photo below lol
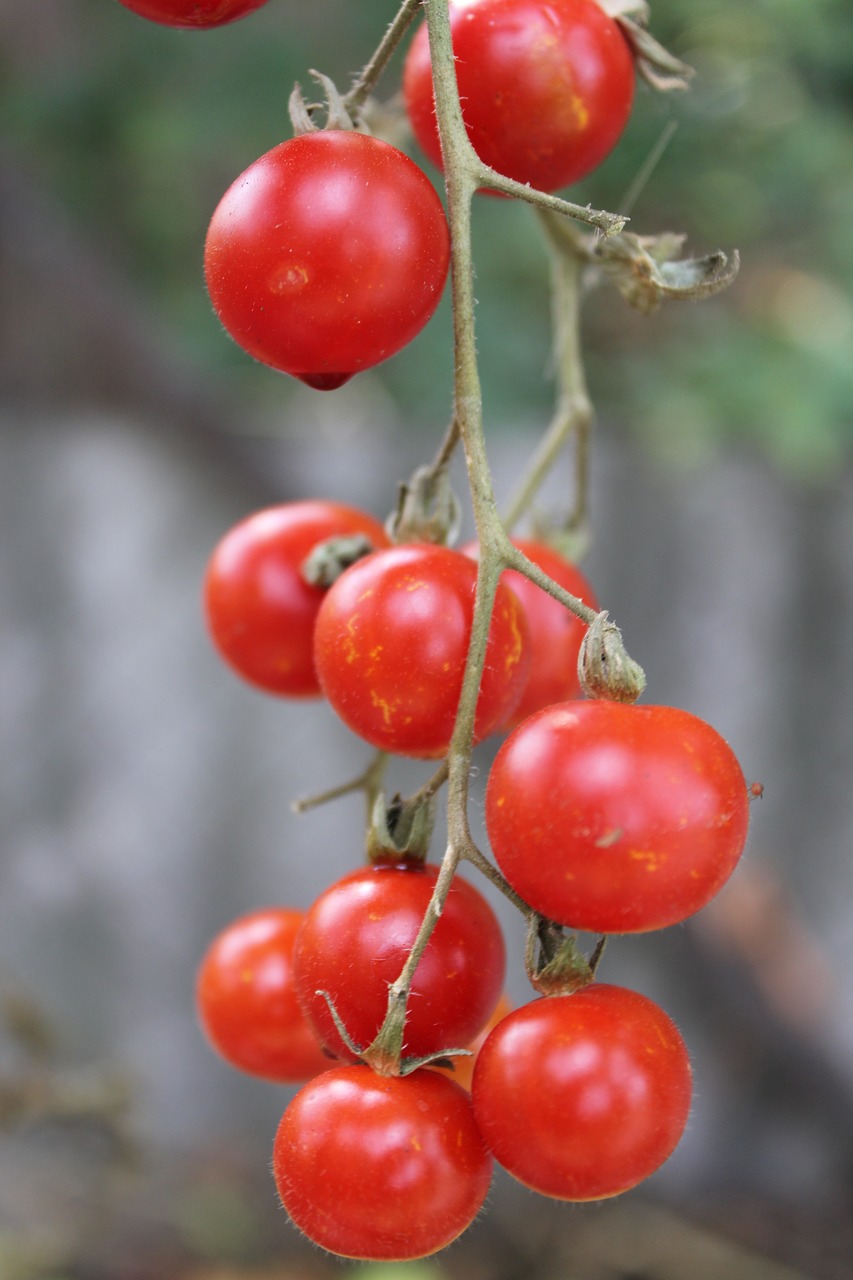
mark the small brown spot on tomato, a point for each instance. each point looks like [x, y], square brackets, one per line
[288, 278]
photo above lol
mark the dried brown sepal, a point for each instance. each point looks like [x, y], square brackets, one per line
[636, 9]
[333, 106]
[401, 830]
[554, 962]
[646, 269]
[605, 668]
[657, 66]
[329, 559]
[442, 1058]
[427, 509]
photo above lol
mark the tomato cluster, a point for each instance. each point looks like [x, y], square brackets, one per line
[330, 252]
[325, 257]
[602, 816]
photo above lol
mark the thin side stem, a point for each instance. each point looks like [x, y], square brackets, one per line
[516, 559]
[447, 448]
[479, 860]
[369, 782]
[610, 224]
[355, 99]
[573, 410]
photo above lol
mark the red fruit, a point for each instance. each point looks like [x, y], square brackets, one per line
[247, 1002]
[582, 1096]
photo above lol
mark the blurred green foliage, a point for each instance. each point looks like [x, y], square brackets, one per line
[138, 129]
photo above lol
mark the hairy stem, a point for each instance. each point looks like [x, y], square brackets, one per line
[369, 782]
[355, 99]
[464, 173]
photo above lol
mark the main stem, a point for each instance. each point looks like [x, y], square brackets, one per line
[464, 173]
[384, 1053]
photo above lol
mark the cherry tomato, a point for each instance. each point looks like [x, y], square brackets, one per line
[327, 255]
[615, 818]
[356, 938]
[381, 1167]
[546, 86]
[391, 642]
[260, 610]
[247, 1002]
[556, 634]
[582, 1096]
[193, 13]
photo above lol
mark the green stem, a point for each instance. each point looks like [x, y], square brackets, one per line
[516, 559]
[464, 173]
[356, 97]
[610, 224]
[385, 1053]
[459, 168]
[447, 448]
[573, 410]
[370, 782]
[478, 859]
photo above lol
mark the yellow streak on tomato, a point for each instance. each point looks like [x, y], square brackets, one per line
[386, 706]
[651, 859]
[581, 112]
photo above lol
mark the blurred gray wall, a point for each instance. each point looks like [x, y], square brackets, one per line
[145, 791]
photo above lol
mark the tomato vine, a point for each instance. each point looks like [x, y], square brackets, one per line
[326, 256]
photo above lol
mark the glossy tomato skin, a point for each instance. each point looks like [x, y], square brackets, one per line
[327, 256]
[556, 634]
[356, 938]
[546, 86]
[247, 1002]
[391, 642]
[260, 610]
[582, 1096]
[616, 818]
[193, 14]
[381, 1167]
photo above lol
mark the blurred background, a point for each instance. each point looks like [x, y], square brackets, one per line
[145, 793]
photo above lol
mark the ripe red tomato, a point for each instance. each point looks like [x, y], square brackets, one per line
[260, 610]
[355, 940]
[556, 634]
[247, 1002]
[615, 818]
[327, 255]
[546, 86]
[391, 642]
[381, 1167]
[582, 1096]
[193, 13]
